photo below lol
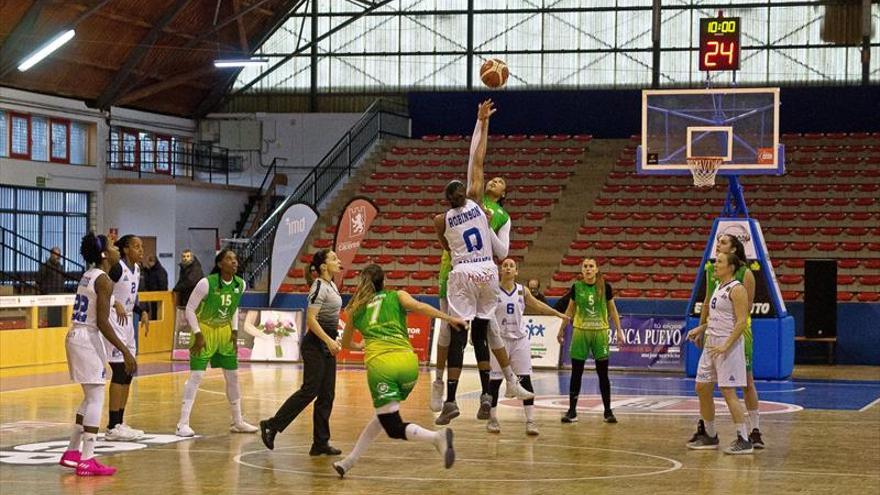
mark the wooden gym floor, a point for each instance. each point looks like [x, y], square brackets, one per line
[832, 445]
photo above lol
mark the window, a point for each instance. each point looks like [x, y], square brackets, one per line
[163, 154]
[42, 217]
[129, 150]
[115, 147]
[40, 139]
[147, 164]
[4, 135]
[60, 151]
[79, 143]
[20, 141]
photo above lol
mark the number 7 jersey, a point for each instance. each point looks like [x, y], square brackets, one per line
[468, 235]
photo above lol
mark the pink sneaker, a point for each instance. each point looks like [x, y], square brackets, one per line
[70, 459]
[92, 467]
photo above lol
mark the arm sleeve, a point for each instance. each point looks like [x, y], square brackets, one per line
[198, 293]
[504, 237]
[499, 248]
[609, 292]
[234, 321]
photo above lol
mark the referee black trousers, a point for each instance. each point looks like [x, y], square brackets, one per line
[319, 385]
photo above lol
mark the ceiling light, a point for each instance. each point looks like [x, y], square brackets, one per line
[56, 43]
[240, 62]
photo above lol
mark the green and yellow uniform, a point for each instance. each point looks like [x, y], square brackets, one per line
[215, 314]
[590, 323]
[499, 218]
[711, 285]
[392, 366]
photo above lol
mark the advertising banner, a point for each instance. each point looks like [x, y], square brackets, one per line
[652, 342]
[263, 335]
[290, 234]
[353, 225]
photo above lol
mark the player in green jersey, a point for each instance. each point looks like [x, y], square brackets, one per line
[590, 308]
[727, 243]
[212, 313]
[392, 366]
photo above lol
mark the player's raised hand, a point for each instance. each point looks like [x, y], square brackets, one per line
[486, 110]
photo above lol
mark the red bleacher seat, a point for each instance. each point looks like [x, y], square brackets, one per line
[873, 246]
[629, 293]
[790, 279]
[869, 280]
[421, 244]
[692, 262]
[776, 245]
[430, 138]
[555, 291]
[627, 245]
[296, 273]
[613, 277]
[408, 260]
[790, 295]
[845, 279]
[844, 296]
[571, 260]
[826, 246]
[620, 261]
[383, 259]
[676, 245]
[395, 275]
[852, 247]
[360, 259]
[670, 262]
[794, 263]
[307, 258]
[518, 245]
[872, 264]
[421, 275]
[322, 243]
[564, 277]
[395, 244]
[603, 245]
[868, 296]
[645, 262]
[637, 278]
[686, 278]
[656, 293]
[680, 294]
[662, 278]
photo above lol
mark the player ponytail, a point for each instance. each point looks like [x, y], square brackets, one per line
[314, 269]
[372, 280]
[738, 249]
[92, 248]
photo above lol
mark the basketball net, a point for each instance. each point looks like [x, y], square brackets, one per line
[704, 169]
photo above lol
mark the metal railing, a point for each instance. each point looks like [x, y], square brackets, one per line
[15, 248]
[195, 161]
[381, 119]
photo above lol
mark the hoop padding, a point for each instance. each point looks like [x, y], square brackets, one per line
[704, 169]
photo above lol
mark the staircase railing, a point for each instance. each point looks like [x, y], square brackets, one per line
[15, 248]
[383, 118]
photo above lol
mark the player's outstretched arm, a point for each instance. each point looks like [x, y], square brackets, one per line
[479, 143]
[412, 305]
[534, 304]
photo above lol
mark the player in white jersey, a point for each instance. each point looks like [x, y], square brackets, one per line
[723, 360]
[126, 277]
[513, 299]
[86, 354]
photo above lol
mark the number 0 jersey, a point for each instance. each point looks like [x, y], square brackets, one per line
[468, 235]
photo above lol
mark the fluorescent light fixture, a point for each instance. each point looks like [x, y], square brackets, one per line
[44, 51]
[240, 62]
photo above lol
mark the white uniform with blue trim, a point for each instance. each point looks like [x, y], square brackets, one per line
[125, 292]
[728, 370]
[473, 283]
[86, 355]
[509, 320]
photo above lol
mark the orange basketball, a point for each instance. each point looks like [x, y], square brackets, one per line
[494, 73]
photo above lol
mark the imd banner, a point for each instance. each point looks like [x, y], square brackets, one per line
[294, 226]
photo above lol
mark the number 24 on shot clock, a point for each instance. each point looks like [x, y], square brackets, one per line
[719, 43]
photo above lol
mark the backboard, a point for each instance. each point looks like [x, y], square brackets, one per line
[741, 125]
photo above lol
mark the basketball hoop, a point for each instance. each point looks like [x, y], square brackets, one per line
[704, 169]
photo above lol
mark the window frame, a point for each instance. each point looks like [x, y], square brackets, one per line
[156, 139]
[123, 164]
[12, 153]
[66, 124]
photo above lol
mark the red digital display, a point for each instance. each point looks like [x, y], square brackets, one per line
[719, 43]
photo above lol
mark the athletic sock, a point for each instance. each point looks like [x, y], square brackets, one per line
[76, 437]
[509, 375]
[416, 432]
[371, 431]
[235, 411]
[438, 374]
[754, 419]
[530, 413]
[710, 428]
[484, 381]
[743, 432]
[451, 388]
[115, 419]
[493, 413]
[88, 445]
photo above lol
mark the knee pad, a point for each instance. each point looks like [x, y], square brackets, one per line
[479, 331]
[455, 357]
[393, 425]
[120, 377]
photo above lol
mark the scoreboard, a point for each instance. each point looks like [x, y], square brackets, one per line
[719, 43]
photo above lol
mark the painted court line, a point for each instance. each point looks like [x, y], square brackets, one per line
[869, 406]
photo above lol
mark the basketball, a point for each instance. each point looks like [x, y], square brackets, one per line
[494, 73]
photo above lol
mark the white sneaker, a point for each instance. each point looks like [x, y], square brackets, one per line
[120, 434]
[184, 431]
[515, 390]
[532, 429]
[134, 431]
[341, 468]
[492, 426]
[243, 428]
[443, 444]
[437, 389]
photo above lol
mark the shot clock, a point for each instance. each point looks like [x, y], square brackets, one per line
[719, 43]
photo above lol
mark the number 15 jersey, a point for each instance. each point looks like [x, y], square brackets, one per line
[469, 237]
